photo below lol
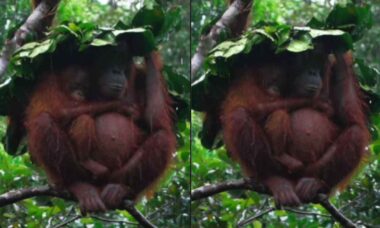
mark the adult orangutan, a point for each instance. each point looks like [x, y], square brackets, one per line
[93, 144]
[327, 143]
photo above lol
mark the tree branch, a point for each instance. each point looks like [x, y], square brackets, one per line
[252, 185]
[103, 219]
[335, 213]
[241, 184]
[18, 195]
[32, 24]
[65, 223]
[130, 207]
[73, 219]
[235, 16]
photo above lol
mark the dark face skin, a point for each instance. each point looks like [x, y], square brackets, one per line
[112, 81]
[76, 81]
[302, 81]
[112, 72]
[308, 83]
[306, 72]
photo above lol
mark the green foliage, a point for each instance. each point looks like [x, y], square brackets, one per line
[358, 202]
[337, 32]
[66, 37]
[355, 20]
[85, 35]
[169, 206]
[79, 37]
[92, 11]
[282, 38]
[342, 26]
[154, 18]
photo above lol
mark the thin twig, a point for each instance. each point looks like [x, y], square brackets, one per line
[150, 216]
[18, 195]
[113, 221]
[352, 202]
[251, 219]
[68, 221]
[67, 214]
[306, 213]
[253, 209]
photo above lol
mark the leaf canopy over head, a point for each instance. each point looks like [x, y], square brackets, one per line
[338, 32]
[70, 39]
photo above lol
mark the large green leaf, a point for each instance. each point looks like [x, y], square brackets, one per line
[351, 18]
[142, 40]
[152, 17]
[301, 44]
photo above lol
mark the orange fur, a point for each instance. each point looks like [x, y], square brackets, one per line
[327, 152]
[91, 146]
